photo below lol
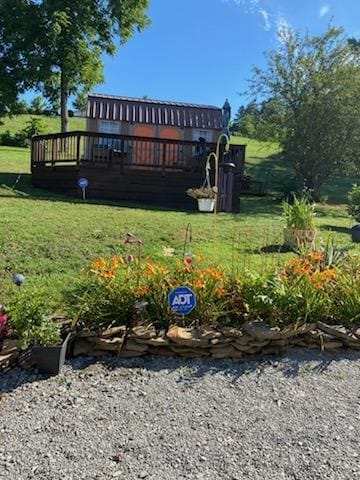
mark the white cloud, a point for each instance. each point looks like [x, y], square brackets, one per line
[266, 17]
[324, 9]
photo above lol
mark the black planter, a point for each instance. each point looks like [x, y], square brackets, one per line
[50, 359]
[355, 233]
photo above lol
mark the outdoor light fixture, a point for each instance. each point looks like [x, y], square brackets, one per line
[18, 279]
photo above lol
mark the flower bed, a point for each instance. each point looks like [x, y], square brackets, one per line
[121, 305]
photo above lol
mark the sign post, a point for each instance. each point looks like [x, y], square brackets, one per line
[182, 300]
[83, 183]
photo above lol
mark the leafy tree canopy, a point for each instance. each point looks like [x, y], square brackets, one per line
[315, 81]
[64, 56]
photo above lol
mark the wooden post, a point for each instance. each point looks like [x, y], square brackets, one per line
[78, 145]
[163, 162]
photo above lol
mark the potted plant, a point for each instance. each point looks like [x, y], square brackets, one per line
[299, 215]
[206, 197]
[354, 211]
[30, 320]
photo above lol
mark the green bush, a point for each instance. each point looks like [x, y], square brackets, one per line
[29, 317]
[354, 202]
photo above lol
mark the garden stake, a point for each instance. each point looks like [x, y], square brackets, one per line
[188, 236]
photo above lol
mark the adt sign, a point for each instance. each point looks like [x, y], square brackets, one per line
[182, 300]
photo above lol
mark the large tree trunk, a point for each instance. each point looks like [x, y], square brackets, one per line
[64, 103]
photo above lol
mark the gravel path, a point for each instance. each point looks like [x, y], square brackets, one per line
[169, 419]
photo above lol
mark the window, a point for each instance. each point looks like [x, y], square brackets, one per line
[107, 126]
[206, 134]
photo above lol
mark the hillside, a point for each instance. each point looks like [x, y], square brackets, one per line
[18, 122]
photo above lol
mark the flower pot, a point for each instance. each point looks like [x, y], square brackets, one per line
[299, 238]
[50, 359]
[355, 233]
[206, 204]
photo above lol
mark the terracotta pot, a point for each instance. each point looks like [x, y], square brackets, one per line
[304, 238]
[206, 204]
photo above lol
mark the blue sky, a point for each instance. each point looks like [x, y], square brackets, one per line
[202, 51]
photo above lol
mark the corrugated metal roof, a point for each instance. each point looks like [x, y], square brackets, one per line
[158, 112]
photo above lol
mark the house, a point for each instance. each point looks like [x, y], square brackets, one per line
[139, 150]
[142, 117]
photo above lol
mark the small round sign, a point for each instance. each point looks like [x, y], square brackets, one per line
[83, 182]
[182, 300]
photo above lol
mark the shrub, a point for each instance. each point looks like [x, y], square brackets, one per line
[354, 202]
[30, 319]
[34, 126]
[17, 140]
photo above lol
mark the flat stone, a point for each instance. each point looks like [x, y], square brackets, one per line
[154, 342]
[142, 331]
[337, 331]
[10, 346]
[124, 353]
[232, 332]
[5, 359]
[332, 345]
[133, 345]
[189, 352]
[186, 337]
[261, 331]
[113, 332]
[224, 352]
[207, 333]
[109, 344]
[221, 341]
[82, 347]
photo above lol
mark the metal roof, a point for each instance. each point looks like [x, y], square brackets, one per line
[158, 112]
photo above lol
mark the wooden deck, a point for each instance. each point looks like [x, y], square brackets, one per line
[121, 167]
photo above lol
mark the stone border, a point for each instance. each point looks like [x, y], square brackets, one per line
[254, 337]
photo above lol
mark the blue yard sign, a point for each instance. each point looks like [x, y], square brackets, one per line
[182, 300]
[83, 183]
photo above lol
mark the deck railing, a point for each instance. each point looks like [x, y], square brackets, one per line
[125, 151]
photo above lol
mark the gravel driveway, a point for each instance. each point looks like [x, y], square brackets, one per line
[166, 419]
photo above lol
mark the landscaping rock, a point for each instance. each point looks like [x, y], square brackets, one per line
[114, 332]
[10, 346]
[110, 344]
[261, 331]
[186, 337]
[143, 331]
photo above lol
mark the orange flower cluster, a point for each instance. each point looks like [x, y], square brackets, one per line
[106, 268]
[311, 267]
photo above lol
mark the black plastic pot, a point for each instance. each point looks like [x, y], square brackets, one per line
[50, 359]
[355, 233]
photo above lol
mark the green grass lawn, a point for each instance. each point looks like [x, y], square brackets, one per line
[50, 238]
[18, 122]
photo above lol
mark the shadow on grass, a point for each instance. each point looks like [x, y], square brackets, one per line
[334, 228]
[294, 363]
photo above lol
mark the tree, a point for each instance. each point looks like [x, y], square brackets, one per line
[316, 83]
[38, 105]
[69, 39]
